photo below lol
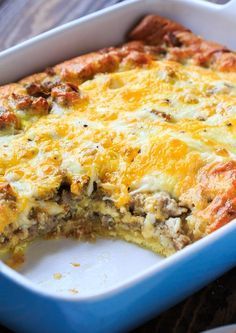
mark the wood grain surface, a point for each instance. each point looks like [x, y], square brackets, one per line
[214, 305]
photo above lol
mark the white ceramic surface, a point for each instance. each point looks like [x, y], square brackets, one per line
[53, 265]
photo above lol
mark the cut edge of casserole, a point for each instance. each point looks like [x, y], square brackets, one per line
[134, 142]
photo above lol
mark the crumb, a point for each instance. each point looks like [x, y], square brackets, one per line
[75, 264]
[57, 276]
[73, 291]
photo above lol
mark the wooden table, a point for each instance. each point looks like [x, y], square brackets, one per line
[215, 304]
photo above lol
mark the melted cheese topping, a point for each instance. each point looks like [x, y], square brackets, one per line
[145, 129]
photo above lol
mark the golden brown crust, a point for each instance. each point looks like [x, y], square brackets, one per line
[226, 62]
[153, 37]
[7, 90]
[38, 77]
[182, 45]
[106, 60]
[218, 181]
[153, 29]
[8, 119]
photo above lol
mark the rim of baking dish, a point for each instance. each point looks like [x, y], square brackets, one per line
[127, 3]
[148, 272]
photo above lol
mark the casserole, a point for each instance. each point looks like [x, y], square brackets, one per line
[188, 251]
[145, 152]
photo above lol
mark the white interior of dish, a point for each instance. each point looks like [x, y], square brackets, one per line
[82, 268]
[52, 264]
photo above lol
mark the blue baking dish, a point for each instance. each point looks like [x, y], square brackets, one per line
[108, 286]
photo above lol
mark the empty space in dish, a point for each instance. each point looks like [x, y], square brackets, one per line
[71, 267]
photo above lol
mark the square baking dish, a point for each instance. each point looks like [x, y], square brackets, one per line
[110, 285]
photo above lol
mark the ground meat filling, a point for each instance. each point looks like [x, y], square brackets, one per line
[155, 216]
[164, 216]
